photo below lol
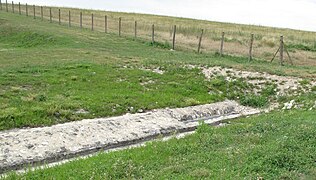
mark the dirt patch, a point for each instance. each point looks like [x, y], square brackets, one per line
[157, 70]
[285, 85]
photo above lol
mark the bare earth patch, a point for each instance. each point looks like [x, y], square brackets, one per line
[285, 84]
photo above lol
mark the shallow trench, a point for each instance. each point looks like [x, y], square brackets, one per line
[35, 146]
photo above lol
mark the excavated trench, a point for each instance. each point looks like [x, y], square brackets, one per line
[35, 146]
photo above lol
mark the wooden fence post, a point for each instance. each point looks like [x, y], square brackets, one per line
[6, 5]
[92, 21]
[153, 35]
[12, 7]
[34, 13]
[69, 19]
[281, 50]
[50, 15]
[250, 47]
[120, 26]
[174, 37]
[135, 30]
[26, 10]
[59, 16]
[222, 44]
[0, 5]
[80, 19]
[19, 8]
[106, 24]
[42, 14]
[200, 41]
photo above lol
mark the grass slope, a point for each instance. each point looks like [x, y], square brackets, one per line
[50, 72]
[280, 145]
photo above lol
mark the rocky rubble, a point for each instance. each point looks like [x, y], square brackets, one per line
[20, 147]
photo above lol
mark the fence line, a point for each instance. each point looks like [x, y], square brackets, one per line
[82, 20]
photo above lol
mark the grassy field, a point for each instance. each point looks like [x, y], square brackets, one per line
[50, 73]
[280, 145]
[301, 44]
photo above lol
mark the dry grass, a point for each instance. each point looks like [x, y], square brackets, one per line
[188, 30]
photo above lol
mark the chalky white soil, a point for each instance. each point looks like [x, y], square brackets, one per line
[21, 147]
[285, 85]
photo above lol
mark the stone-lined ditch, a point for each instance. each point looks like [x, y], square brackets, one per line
[23, 147]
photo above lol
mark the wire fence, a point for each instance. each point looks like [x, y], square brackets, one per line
[201, 38]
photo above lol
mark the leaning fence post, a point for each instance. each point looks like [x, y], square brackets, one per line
[59, 16]
[106, 24]
[80, 19]
[12, 7]
[135, 30]
[174, 37]
[222, 44]
[26, 10]
[92, 21]
[153, 34]
[281, 50]
[200, 41]
[120, 26]
[34, 15]
[250, 47]
[50, 15]
[69, 19]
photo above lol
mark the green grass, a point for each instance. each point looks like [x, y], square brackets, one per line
[49, 72]
[280, 145]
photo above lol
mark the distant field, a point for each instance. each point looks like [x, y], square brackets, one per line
[300, 44]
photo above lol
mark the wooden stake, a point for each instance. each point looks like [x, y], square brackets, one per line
[281, 50]
[0, 5]
[12, 7]
[174, 37]
[50, 15]
[42, 14]
[200, 41]
[69, 19]
[19, 8]
[120, 26]
[250, 46]
[275, 54]
[34, 15]
[59, 15]
[106, 24]
[288, 54]
[26, 10]
[153, 35]
[135, 30]
[92, 21]
[6, 5]
[222, 44]
[80, 19]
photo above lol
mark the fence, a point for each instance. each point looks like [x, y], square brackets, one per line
[181, 37]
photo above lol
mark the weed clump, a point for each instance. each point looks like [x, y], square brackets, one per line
[254, 101]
